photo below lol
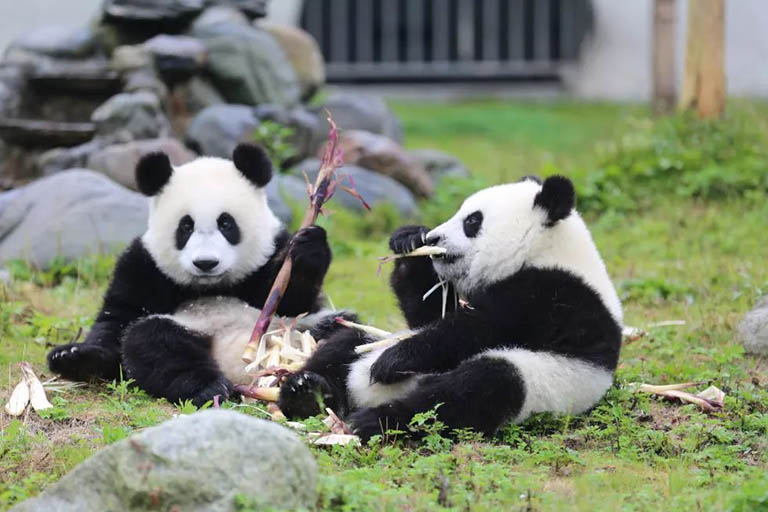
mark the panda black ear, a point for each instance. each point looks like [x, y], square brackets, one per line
[253, 162]
[557, 198]
[152, 173]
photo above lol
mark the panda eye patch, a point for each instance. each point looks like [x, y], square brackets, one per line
[228, 228]
[184, 231]
[472, 223]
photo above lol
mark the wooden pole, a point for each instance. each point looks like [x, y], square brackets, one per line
[664, 61]
[704, 77]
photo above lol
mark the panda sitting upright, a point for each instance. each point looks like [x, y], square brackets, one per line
[183, 297]
[539, 331]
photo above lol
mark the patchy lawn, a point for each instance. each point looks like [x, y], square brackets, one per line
[701, 262]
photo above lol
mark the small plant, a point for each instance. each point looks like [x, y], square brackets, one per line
[276, 140]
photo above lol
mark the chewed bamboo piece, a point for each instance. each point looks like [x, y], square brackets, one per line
[369, 329]
[709, 400]
[385, 343]
[28, 391]
[424, 250]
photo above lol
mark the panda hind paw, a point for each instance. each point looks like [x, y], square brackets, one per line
[304, 394]
[221, 386]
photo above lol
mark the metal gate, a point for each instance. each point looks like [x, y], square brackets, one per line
[412, 40]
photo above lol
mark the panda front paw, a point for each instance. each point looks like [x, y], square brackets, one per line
[394, 365]
[83, 361]
[220, 386]
[304, 394]
[407, 239]
[310, 246]
[382, 420]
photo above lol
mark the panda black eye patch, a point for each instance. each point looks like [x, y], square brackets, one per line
[228, 228]
[183, 231]
[472, 223]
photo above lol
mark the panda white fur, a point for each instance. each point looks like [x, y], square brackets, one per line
[185, 295]
[540, 331]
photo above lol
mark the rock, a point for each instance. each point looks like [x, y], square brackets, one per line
[118, 161]
[753, 328]
[69, 214]
[383, 155]
[61, 159]
[36, 133]
[216, 15]
[439, 165]
[355, 111]
[248, 66]
[276, 200]
[187, 99]
[18, 166]
[167, 15]
[145, 79]
[11, 84]
[130, 57]
[56, 41]
[375, 188]
[216, 130]
[250, 8]
[131, 116]
[87, 77]
[302, 121]
[176, 58]
[192, 463]
[303, 52]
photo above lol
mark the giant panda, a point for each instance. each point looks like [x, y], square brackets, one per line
[185, 295]
[537, 329]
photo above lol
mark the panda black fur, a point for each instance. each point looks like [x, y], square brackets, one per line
[184, 296]
[541, 331]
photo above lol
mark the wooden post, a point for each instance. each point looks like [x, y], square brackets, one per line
[704, 78]
[664, 24]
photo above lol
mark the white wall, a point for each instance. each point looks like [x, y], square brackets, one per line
[616, 62]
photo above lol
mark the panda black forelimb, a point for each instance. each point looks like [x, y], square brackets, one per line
[311, 257]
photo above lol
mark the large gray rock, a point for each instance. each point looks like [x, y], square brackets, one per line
[118, 161]
[303, 52]
[177, 58]
[439, 165]
[166, 14]
[131, 116]
[301, 120]
[276, 199]
[247, 65]
[69, 214]
[753, 328]
[199, 463]
[57, 41]
[216, 15]
[375, 188]
[61, 159]
[250, 8]
[216, 130]
[357, 111]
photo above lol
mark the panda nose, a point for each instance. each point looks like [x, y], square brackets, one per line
[205, 265]
[432, 239]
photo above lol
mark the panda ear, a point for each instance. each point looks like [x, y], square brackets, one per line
[253, 162]
[557, 198]
[152, 173]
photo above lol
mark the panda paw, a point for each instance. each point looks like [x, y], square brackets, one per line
[310, 246]
[407, 238]
[394, 365]
[304, 394]
[220, 386]
[82, 362]
[378, 421]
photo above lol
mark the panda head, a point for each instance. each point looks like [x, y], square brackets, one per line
[501, 229]
[209, 222]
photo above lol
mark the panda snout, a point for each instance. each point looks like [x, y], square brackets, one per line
[432, 239]
[205, 265]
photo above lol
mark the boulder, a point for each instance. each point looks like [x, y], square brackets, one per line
[166, 15]
[301, 120]
[200, 462]
[130, 57]
[375, 188]
[383, 155]
[145, 79]
[61, 159]
[250, 8]
[303, 52]
[216, 130]
[118, 161]
[69, 214]
[753, 329]
[276, 199]
[356, 111]
[56, 41]
[439, 165]
[216, 15]
[187, 99]
[176, 58]
[247, 65]
[131, 116]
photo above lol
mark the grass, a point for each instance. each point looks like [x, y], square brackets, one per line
[702, 262]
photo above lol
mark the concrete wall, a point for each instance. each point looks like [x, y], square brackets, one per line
[616, 62]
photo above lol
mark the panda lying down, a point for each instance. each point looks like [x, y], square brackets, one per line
[185, 295]
[540, 330]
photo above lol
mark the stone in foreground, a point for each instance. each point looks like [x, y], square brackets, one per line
[69, 214]
[199, 462]
[753, 329]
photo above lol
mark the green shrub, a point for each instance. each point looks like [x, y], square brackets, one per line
[277, 141]
[679, 156]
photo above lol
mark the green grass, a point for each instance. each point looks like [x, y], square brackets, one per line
[701, 262]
